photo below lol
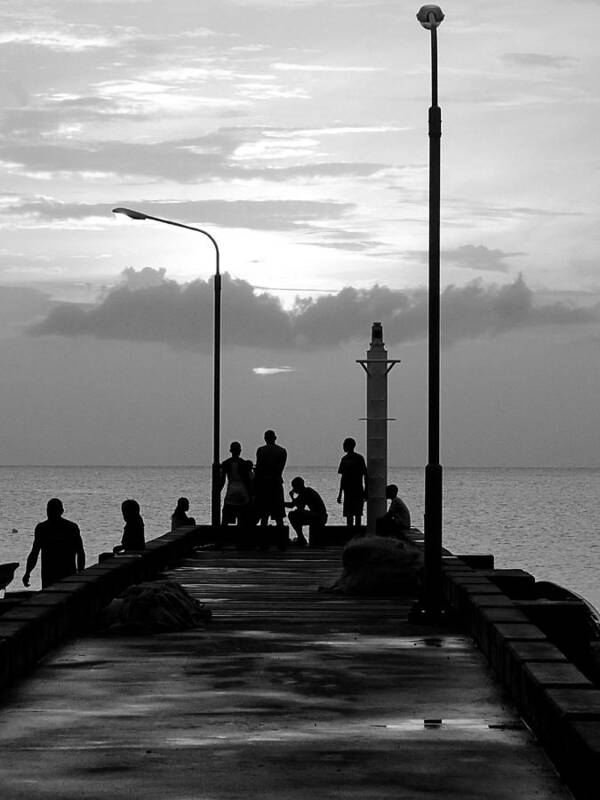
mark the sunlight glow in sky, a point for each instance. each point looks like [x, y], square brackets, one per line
[295, 131]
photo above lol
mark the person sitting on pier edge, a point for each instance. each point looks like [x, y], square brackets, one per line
[59, 541]
[133, 532]
[353, 484]
[309, 510]
[396, 521]
[237, 471]
[179, 518]
[268, 480]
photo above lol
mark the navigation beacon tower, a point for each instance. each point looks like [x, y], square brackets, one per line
[377, 366]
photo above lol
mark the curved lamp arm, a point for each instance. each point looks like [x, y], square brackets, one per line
[215, 483]
[133, 214]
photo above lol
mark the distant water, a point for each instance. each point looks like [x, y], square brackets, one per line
[546, 521]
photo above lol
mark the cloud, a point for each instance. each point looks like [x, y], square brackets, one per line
[19, 306]
[68, 39]
[471, 256]
[146, 278]
[146, 97]
[186, 160]
[76, 38]
[537, 60]
[478, 257]
[272, 215]
[161, 310]
[283, 67]
[462, 208]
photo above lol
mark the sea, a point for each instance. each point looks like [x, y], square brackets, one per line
[545, 521]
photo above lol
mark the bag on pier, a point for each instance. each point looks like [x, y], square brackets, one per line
[157, 606]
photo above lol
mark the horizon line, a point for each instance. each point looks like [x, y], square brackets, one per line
[295, 466]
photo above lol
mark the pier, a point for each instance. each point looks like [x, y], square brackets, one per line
[292, 692]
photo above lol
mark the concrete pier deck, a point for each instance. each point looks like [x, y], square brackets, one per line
[288, 693]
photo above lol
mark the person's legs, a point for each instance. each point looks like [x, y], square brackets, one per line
[282, 534]
[385, 525]
[224, 514]
[293, 517]
[297, 519]
[315, 528]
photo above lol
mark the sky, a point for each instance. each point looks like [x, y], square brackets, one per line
[295, 132]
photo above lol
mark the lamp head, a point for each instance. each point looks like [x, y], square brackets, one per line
[430, 16]
[128, 212]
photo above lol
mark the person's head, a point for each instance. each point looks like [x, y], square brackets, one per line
[54, 508]
[130, 509]
[297, 484]
[183, 504]
[349, 445]
[391, 491]
[235, 448]
[270, 437]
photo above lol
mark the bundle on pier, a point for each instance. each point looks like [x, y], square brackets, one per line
[378, 565]
[155, 607]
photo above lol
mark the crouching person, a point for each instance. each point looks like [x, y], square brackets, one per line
[396, 521]
[309, 509]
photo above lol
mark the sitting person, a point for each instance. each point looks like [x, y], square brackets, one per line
[133, 532]
[309, 509]
[396, 521]
[179, 518]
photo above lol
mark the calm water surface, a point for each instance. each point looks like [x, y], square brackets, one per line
[543, 520]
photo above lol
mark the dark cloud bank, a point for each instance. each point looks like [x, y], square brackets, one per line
[148, 307]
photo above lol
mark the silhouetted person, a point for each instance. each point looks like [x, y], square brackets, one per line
[268, 482]
[309, 509]
[237, 471]
[396, 520]
[179, 518]
[353, 483]
[133, 532]
[7, 573]
[59, 542]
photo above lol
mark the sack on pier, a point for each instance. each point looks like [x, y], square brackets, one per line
[157, 606]
[379, 566]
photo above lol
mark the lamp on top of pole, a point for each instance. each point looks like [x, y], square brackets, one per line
[215, 478]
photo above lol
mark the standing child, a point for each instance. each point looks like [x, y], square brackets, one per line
[353, 483]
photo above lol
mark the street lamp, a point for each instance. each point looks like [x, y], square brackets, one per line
[430, 17]
[215, 475]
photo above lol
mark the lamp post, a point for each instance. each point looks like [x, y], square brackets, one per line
[215, 477]
[430, 17]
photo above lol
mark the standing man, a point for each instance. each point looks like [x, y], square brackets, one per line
[353, 484]
[309, 509]
[59, 542]
[268, 480]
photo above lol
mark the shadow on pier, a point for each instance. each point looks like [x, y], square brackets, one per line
[288, 693]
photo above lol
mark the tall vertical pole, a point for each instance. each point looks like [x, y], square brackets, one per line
[376, 426]
[215, 487]
[377, 366]
[430, 17]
